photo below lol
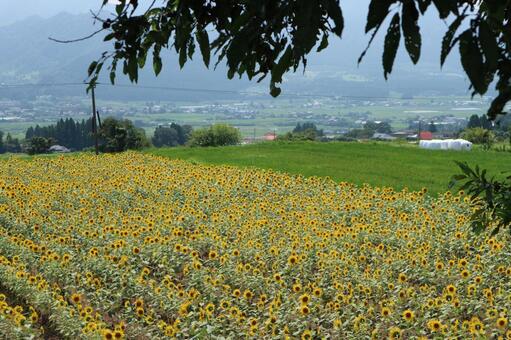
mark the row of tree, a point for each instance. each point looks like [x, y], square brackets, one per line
[75, 135]
[305, 131]
[9, 144]
[115, 135]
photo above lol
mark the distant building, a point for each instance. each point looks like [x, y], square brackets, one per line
[383, 136]
[270, 136]
[401, 134]
[425, 135]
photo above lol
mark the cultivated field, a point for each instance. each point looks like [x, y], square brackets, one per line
[378, 164]
[138, 246]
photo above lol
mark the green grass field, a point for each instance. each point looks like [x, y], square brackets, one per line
[377, 164]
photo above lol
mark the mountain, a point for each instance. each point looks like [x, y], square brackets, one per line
[28, 56]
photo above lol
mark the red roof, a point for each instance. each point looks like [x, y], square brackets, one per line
[426, 135]
[270, 136]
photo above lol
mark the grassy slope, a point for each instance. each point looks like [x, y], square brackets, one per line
[377, 164]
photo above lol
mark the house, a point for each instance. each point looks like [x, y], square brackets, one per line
[270, 136]
[383, 137]
[425, 135]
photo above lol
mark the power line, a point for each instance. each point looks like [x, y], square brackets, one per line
[205, 90]
[41, 85]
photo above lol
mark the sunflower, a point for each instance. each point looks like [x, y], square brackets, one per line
[139, 311]
[395, 333]
[385, 312]
[306, 335]
[304, 299]
[292, 260]
[317, 292]
[304, 310]
[476, 327]
[408, 315]
[501, 322]
[297, 287]
[107, 334]
[76, 298]
[118, 334]
[210, 308]
[434, 325]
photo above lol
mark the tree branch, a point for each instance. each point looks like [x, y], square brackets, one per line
[76, 40]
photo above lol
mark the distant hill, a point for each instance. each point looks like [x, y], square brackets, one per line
[28, 56]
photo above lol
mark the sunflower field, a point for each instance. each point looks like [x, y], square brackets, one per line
[141, 247]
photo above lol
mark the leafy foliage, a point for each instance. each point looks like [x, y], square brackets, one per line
[491, 198]
[172, 135]
[11, 144]
[258, 38]
[121, 135]
[479, 121]
[38, 145]
[215, 135]
[479, 136]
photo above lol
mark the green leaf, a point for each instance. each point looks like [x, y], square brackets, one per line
[92, 67]
[489, 45]
[282, 66]
[323, 44]
[443, 8]
[109, 37]
[335, 12]
[478, 227]
[423, 5]
[133, 69]
[274, 90]
[203, 41]
[373, 35]
[499, 103]
[378, 11]
[391, 45]
[142, 58]
[182, 57]
[112, 77]
[411, 31]
[472, 61]
[119, 8]
[447, 41]
[157, 65]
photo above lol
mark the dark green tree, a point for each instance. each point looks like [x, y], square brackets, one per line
[38, 145]
[215, 135]
[2, 149]
[260, 38]
[432, 127]
[172, 135]
[381, 127]
[474, 122]
[165, 136]
[121, 135]
[11, 144]
[72, 134]
[308, 127]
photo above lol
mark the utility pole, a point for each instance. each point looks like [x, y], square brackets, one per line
[419, 134]
[94, 121]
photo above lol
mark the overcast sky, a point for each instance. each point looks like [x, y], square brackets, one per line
[15, 10]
